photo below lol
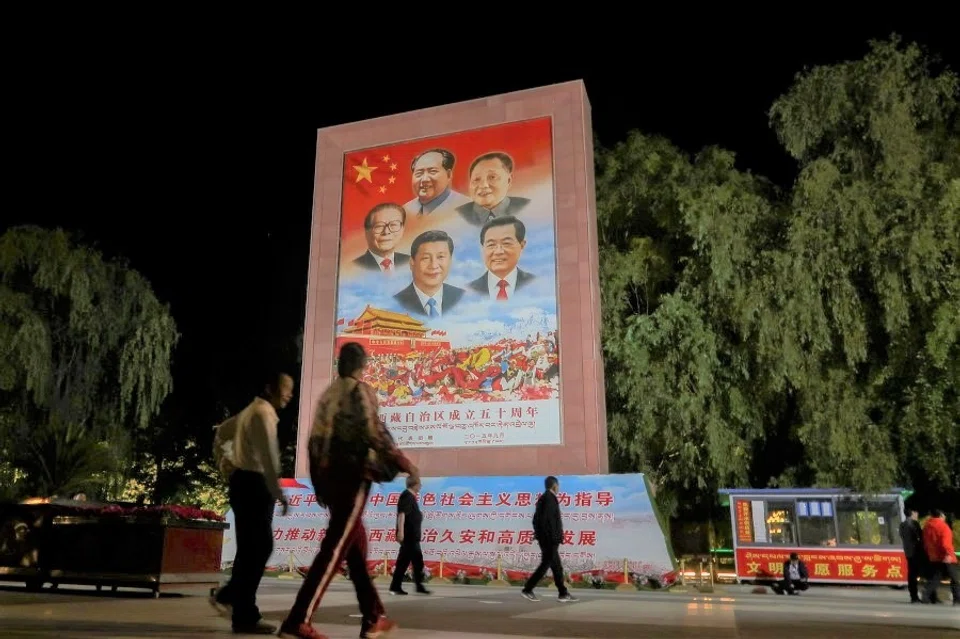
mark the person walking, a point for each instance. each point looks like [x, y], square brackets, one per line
[349, 449]
[938, 542]
[548, 530]
[912, 539]
[248, 455]
[409, 521]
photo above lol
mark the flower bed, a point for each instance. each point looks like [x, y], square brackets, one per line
[187, 513]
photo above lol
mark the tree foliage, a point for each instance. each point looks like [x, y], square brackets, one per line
[805, 336]
[875, 244]
[85, 350]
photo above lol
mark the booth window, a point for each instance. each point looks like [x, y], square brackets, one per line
[868, 523]
[781, 523]
[815, 523]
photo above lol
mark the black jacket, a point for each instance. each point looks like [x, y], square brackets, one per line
[547, 522]
[911, 535]
[801, 568]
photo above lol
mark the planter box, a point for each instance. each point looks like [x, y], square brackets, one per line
[69, 546]
[21, 534]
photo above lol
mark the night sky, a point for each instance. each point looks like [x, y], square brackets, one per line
[196, 165]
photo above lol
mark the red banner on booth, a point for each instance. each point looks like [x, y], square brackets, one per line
[744, 521]
[838, 565]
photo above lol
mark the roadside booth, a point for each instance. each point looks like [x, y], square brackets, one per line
[843, 537]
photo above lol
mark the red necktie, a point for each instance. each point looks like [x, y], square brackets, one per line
[386, 264]
[502, 285]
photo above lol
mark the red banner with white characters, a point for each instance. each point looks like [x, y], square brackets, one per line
[829, 565]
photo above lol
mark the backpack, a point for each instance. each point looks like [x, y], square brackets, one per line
[223, 436]
[537, 516]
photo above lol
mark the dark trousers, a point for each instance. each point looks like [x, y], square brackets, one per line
[939, 571]
[789, 586]
[915, 567]
[346, 538]
[409, 553]
[549, 558]
[252, 506]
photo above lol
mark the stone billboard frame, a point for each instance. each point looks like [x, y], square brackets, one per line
[583, 450]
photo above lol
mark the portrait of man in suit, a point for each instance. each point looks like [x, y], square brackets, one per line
[502, 241]
[431, 173]
[430, 258]
[383, 228]
[491, 176]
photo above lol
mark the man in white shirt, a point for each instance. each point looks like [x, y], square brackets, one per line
[383, 228]
[502, 241]
[254, 489]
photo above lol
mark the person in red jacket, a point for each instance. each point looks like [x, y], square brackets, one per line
[938, 542]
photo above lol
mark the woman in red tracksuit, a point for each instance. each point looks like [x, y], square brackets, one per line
[347, 432]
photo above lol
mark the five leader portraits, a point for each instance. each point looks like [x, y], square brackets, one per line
[420, 275]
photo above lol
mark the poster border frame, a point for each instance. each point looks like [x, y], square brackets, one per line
[332, 147]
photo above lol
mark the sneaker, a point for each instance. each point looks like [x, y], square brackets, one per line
[401, 591]
[423, 591]
[529, 596]
[258, 628]
[382, 628]
[303, 631]
[567, 598]
[221, 607]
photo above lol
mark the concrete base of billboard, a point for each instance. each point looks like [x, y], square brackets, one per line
[499, 583]
[625, 588]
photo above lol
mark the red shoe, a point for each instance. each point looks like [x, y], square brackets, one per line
[382, 628]
[303, 631]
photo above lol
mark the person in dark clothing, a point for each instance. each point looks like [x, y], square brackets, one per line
[346, 444]
[548, 530]
[795, 577]
[911, 536]
[409, 520]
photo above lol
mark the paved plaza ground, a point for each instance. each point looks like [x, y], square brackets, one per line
[476, 612]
